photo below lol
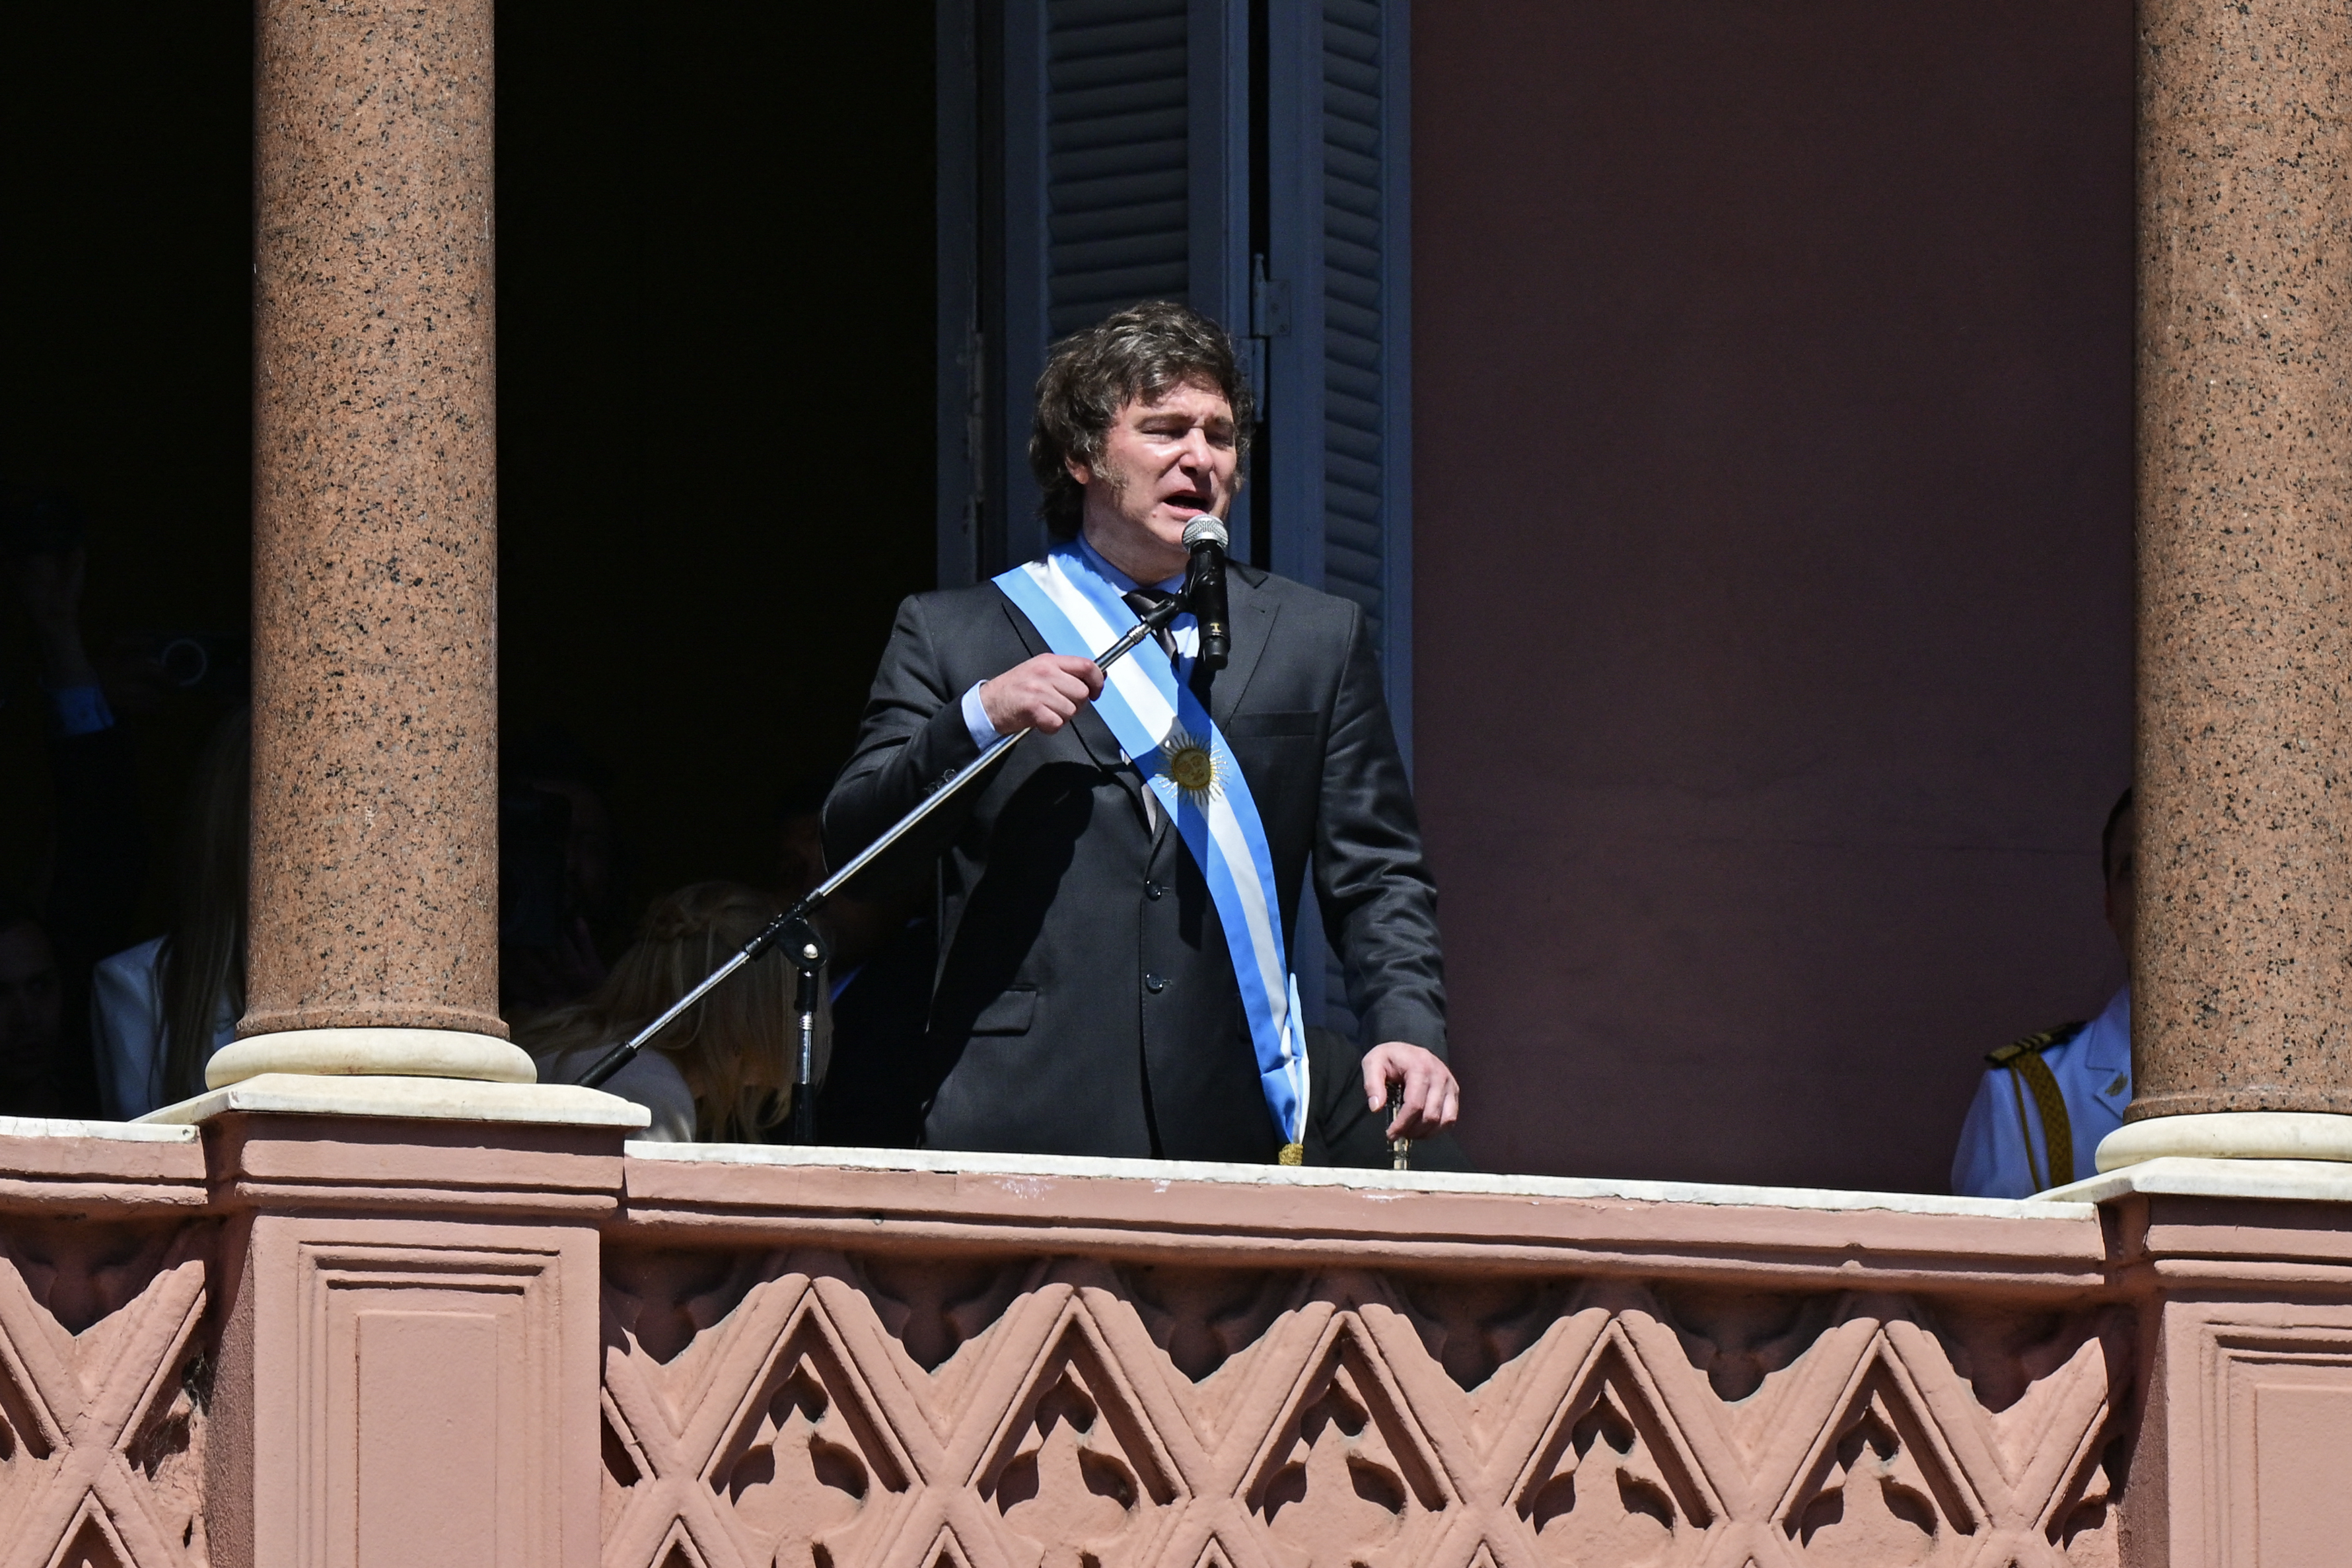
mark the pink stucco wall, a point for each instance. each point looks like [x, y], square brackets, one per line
[1773, 540]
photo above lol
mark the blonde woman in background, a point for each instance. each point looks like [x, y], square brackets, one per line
[722, 1073]
[160, 1010]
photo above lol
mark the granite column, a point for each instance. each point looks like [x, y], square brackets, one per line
[2242, 999]
[374, 945]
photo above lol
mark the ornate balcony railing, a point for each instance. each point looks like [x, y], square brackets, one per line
[295, 1339]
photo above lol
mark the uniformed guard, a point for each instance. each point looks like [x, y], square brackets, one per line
[2046, 1100]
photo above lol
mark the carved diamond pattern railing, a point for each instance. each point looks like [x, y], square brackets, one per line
[827, 1410]
[101, 1434]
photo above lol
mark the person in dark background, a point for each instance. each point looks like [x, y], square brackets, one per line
[561, 892]
[99, 840]
[883, 950]
[722, 1071]
[32, 1019]
[800, 837]
[160, 1010]
[622, 211]
[2045, 1102]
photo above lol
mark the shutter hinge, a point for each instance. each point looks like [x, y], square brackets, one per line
[1269, 302]
[1269, 319]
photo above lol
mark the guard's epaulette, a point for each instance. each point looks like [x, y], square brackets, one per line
[2048, 1039]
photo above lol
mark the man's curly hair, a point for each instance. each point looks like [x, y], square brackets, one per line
[1138, 353]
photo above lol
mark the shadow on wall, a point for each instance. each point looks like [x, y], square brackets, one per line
[1790, 351]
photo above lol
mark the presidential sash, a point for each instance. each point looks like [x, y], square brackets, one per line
[1192, 770]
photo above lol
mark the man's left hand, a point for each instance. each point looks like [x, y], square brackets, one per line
[1432, 1098]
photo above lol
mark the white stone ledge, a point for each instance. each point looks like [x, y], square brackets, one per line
[1168, 1171]
[117, 1132]
[425, 1099]
[2299, 1181]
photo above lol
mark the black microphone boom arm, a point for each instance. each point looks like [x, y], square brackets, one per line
[808, 953]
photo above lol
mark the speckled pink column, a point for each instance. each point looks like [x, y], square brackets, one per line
[2245, 958]
[375, 746]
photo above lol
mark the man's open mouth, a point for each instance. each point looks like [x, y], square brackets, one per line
[1192, 499]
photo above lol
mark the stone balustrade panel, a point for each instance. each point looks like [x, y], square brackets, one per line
[107, 1249]
[832, 1407]
[672, 1359]
[103, 1384]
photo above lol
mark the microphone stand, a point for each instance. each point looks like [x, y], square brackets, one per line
[808, 947]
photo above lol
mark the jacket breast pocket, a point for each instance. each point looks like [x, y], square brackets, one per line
[1303, 724]
[1011, 1013]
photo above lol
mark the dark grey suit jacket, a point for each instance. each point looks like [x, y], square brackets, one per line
[1085, 1001]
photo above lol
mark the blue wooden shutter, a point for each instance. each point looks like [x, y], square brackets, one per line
[1338, 282]
[1094, 152]
[1117, 209]
[1334, 307]
[1126, 177]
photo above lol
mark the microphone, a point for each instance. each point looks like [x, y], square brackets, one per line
[1204, 588]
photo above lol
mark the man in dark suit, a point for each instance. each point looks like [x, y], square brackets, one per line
[1085, 1000]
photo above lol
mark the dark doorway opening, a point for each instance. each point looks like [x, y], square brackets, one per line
[125, 282]
[715, 255]
[715, 259]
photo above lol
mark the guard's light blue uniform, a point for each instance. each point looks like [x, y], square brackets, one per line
[2094, 1074]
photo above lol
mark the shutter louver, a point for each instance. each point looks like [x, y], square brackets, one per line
[1123, 164]
[1339, 468]
[1123, 133]
[1354, 545]
[1117, 167]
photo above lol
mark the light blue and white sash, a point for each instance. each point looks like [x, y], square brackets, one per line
[1189, 766]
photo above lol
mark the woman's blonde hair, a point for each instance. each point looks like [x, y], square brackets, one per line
[735, 1046]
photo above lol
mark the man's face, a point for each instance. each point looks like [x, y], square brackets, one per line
[32, 1014]
[1164, 463]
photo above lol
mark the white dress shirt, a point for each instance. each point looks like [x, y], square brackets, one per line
[126, 1026]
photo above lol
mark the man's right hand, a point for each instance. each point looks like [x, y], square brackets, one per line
[1044, 694]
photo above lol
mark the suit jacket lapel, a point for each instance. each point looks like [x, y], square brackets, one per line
[1251, 613]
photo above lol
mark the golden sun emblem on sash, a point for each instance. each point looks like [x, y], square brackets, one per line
[1186, 760]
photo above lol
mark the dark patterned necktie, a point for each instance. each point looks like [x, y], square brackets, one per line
[1143, 601]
